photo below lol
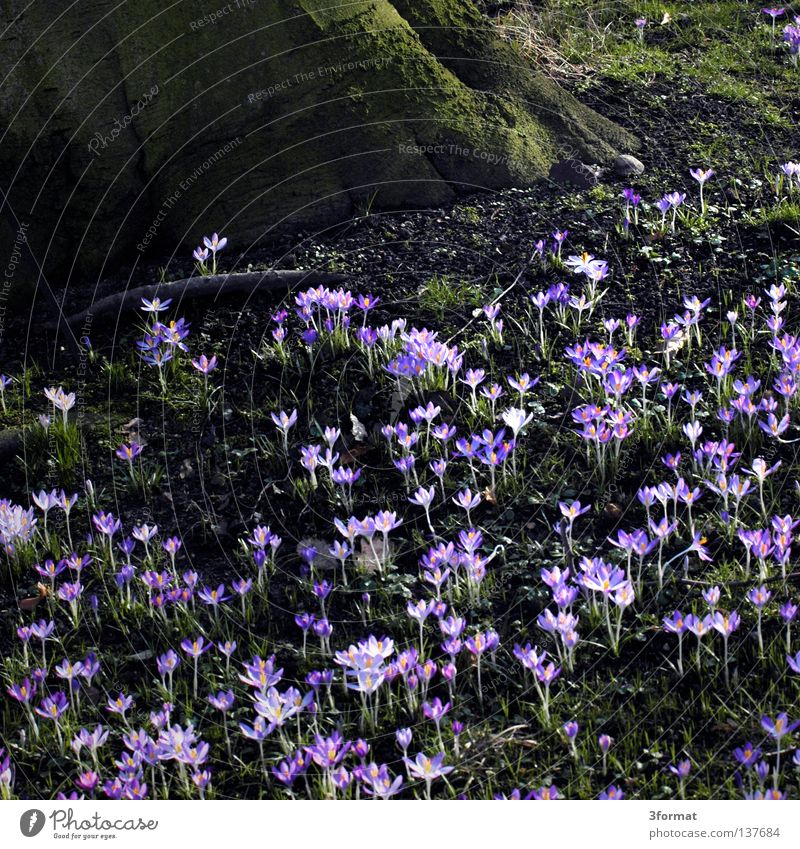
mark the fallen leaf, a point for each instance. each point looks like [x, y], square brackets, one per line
[359, 431]
[365, 559]
[676, 343]
[323, 559]
[145, 654]
[352, 455]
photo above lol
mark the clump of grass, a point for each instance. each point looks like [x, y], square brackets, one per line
[442, 294]
[786, 213]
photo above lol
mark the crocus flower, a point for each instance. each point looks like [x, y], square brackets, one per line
[214, 244]
[435, 711]
[676, 624]
[404, 737]
[702, 176]
[516, 419]
[166, 664]
[788, 613]
[605, 742]
[379, 783]
[747, 755]
[778, 728]
[424, 498]
[580, 264]
[204, 365]
[52, 707]
[571, 730]
[523, 384]
[682, 771]
[23, 692]
[726, 624]
[156, 305]
[427, 769]
[284, 421]
[213, 597]
[5, 382]
[195, 649]
[613, 793]
[43, 631]
[559, 237]
[759, 597]
[547, 794]
[773, 12]
[120, 705]
[699, 627]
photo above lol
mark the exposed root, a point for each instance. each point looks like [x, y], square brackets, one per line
[212, 286]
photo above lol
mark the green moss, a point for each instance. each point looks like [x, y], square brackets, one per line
[273, 118]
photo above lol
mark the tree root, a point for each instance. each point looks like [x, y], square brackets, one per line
[10, 443]
[200, 287]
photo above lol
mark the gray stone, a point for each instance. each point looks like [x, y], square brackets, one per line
[626, 165]
[575, 173]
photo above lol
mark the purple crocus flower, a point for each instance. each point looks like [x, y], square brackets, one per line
[681, 770]
[404, 737]
[120, 705]
[52, 707]
[223, 701]
[23, 692]
[204, 365]
[773, 12]
[613, 793]
[156, 305]
[215, 243]
[435, 710]
[546, 794]
[167, 663]
[747, 755]
[702, 175]
[424, 768]
[197, 647]
[759, 596]
[778, 727]
[676, 624]
[129, 452]
[213, 597]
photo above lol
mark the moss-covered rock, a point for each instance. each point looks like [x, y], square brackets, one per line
[135, 127]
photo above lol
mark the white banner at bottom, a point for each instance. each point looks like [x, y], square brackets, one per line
[339, 825]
